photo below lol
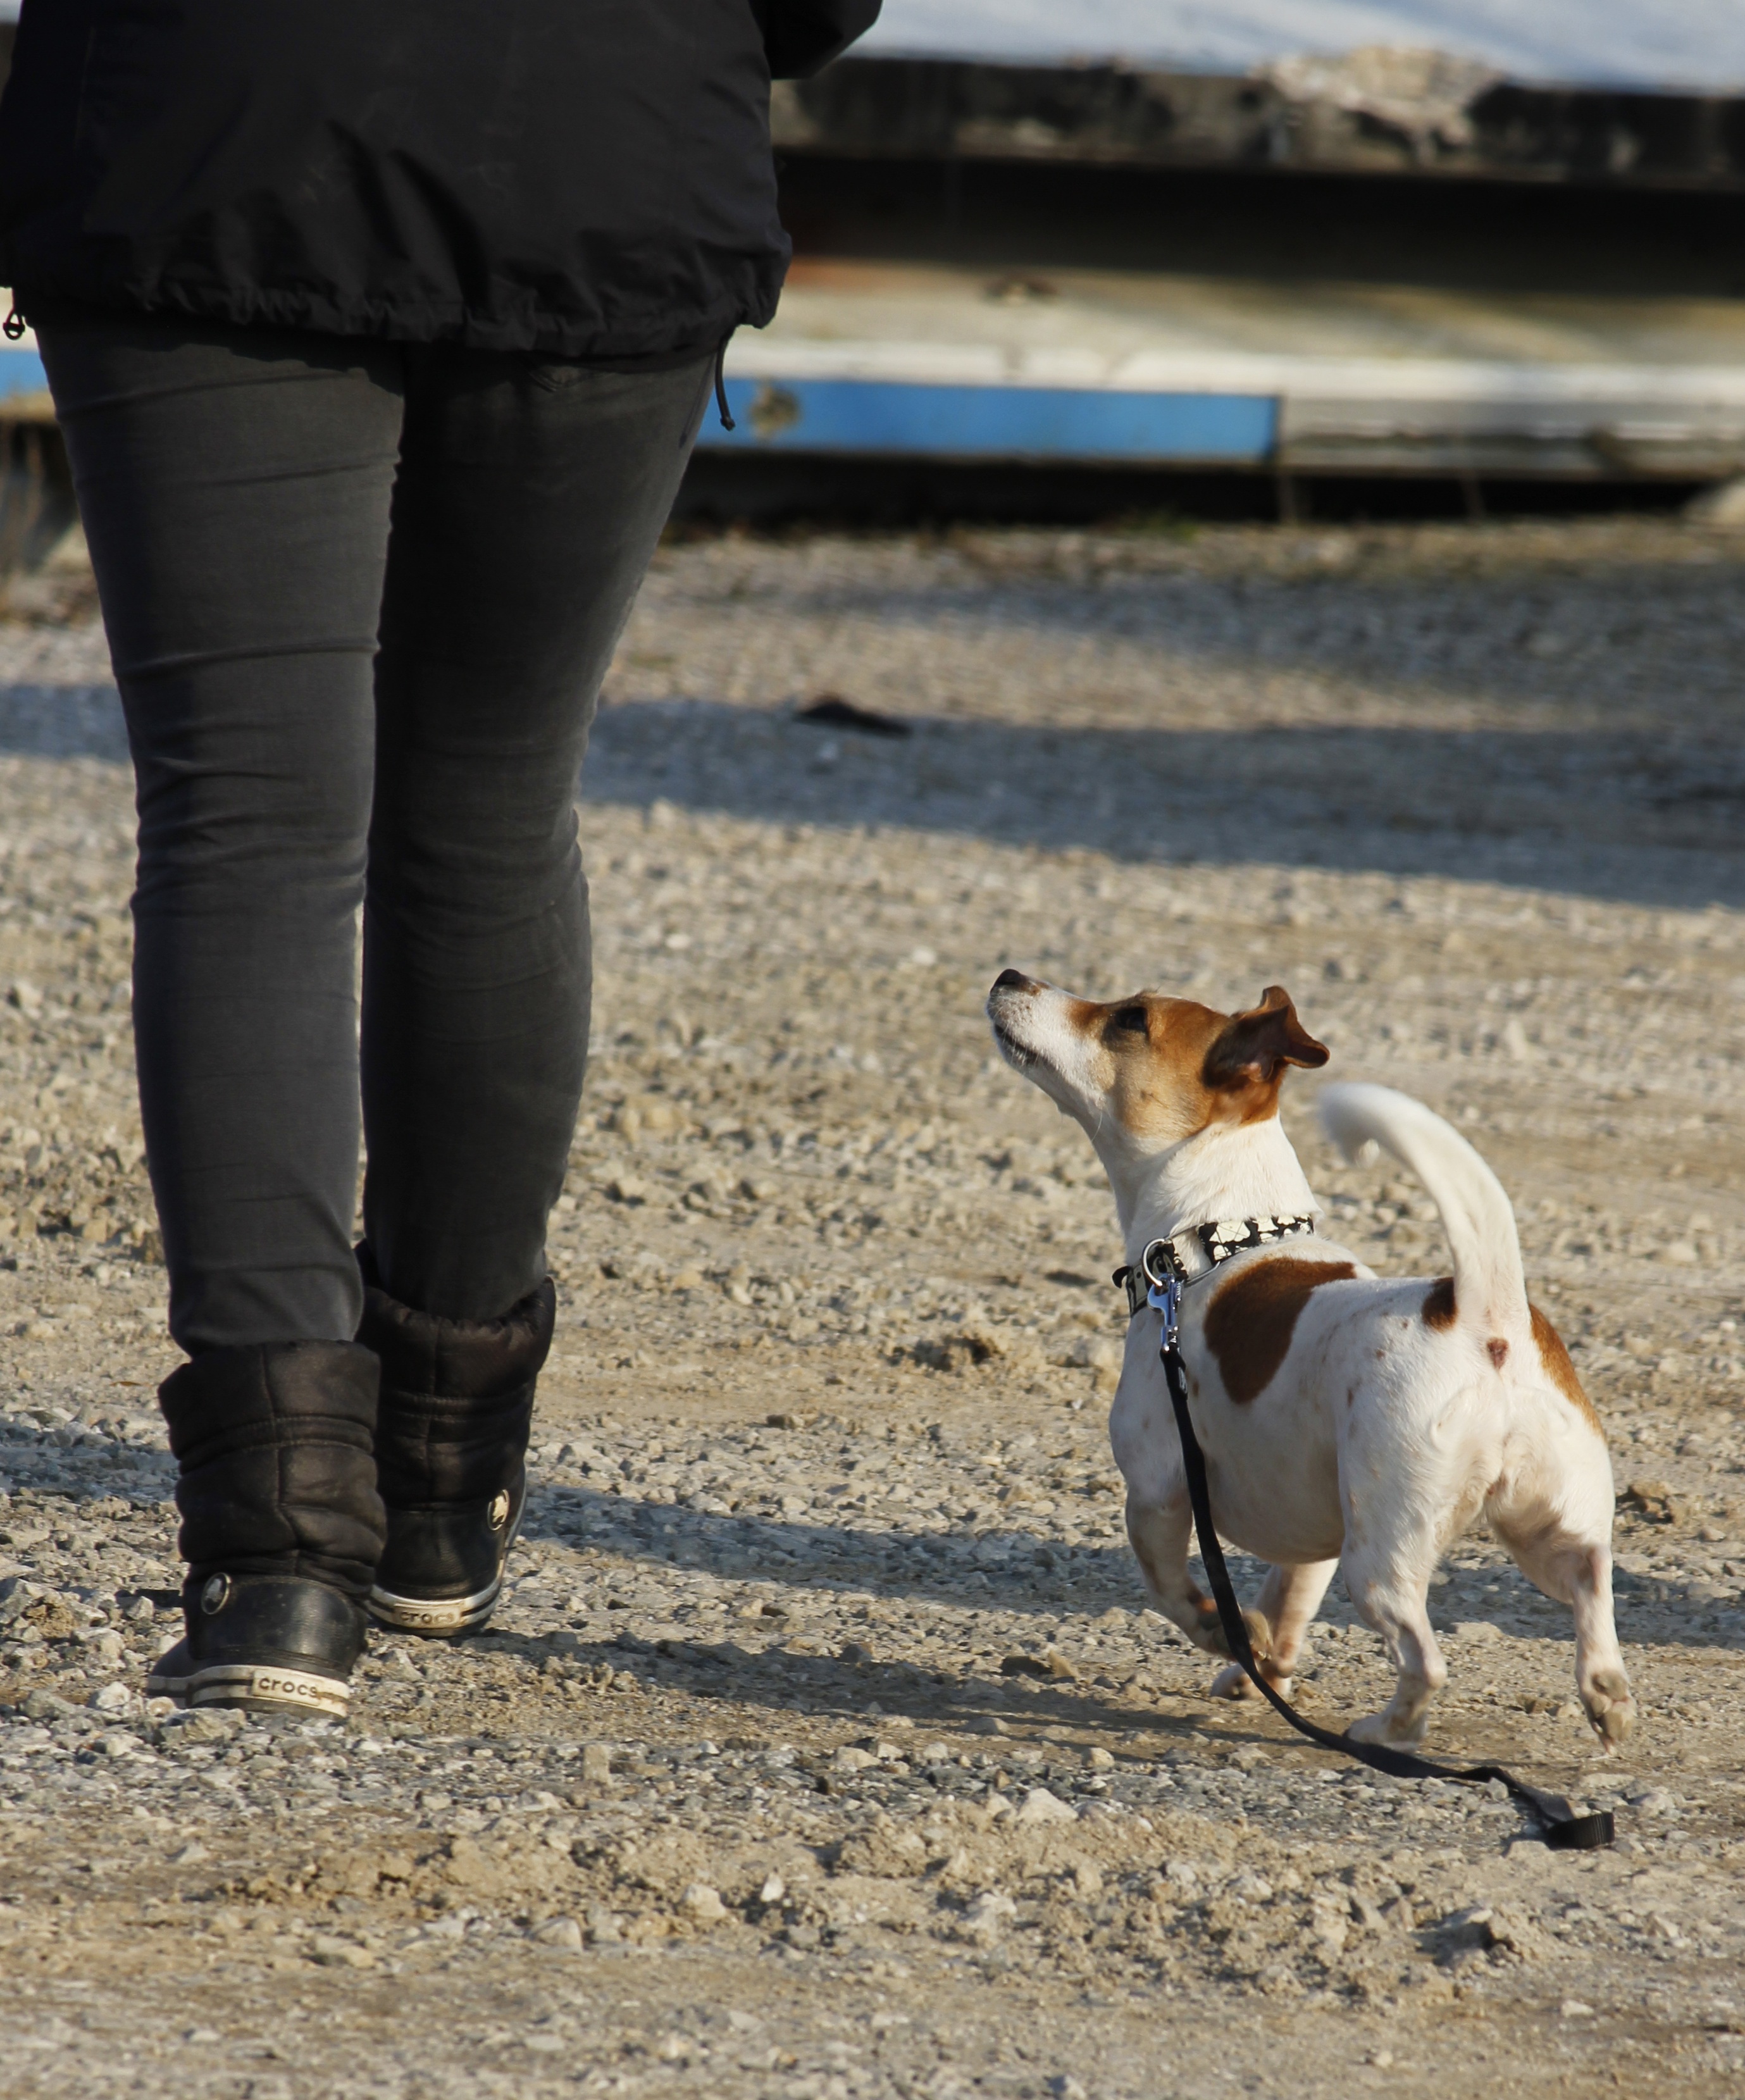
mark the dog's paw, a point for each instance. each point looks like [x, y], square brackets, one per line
[1382, 1728]
[1210, 1633]
[1234, 1683]
[1610, 1707]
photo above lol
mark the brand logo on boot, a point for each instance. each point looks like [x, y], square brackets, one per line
[499, 1509]
[216, 1594]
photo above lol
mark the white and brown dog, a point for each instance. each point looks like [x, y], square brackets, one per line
[1348, 1420]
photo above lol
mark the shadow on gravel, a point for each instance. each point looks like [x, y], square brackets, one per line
[1017, 1571]
[1538, 633]
[848, 1684]
[1007, 1571]
[1012, 1571]
[1620, 814]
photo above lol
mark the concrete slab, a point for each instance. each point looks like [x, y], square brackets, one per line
[880, 358]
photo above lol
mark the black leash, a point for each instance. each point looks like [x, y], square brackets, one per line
[1562, 1829]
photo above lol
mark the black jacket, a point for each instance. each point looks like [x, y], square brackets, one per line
[584, 177]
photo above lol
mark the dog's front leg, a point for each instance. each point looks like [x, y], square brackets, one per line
[1158, 1532]
[1147, 1449]
[1159, 1529]
[1288, 1600]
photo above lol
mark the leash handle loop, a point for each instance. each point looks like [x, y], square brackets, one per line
[1560, 1828]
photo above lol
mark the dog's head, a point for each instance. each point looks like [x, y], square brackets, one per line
[1142, 1074]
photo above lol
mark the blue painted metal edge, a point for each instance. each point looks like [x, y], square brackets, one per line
[21, 372]
[857, 416]
[871, 416]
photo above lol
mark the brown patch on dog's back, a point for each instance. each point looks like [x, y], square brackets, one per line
[1440, 1312]
[1249, 1324]
[1554, 1358]
[1439, 1308]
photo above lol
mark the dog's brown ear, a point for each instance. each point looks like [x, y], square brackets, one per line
[1255, 1044]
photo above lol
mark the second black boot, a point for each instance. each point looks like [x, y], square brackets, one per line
[451, 1452]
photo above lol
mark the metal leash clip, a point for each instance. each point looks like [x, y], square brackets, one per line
[1163, 1293]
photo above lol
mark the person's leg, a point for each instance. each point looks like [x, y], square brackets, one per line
[235, 488]
[529, 500]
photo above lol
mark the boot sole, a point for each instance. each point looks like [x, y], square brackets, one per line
[257, 1688]
[444, 1618]
[437, 1618]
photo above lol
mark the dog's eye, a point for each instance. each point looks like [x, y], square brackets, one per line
[1133, 1018]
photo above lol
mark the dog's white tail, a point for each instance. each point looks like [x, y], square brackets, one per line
[1490, 1287]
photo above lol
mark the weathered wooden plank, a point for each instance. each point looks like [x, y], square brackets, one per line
[925, 108]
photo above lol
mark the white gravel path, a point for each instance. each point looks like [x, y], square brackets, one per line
[822, 1747]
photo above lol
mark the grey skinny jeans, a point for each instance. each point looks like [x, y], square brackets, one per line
[360, 596]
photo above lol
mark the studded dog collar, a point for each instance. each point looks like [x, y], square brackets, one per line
[1187, 1256]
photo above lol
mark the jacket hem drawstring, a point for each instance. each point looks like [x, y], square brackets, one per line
[721, 409]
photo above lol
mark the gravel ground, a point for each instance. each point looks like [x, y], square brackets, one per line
[823, 1747]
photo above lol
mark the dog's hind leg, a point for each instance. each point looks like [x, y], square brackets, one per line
[1159, 1531]
[1288, 1600]
[1389, 1581]
[1577, 1571]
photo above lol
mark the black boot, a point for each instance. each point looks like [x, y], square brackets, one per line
[281, 1525]
[451, 1451]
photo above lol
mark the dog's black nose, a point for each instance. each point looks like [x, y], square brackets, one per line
[1010, 981]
